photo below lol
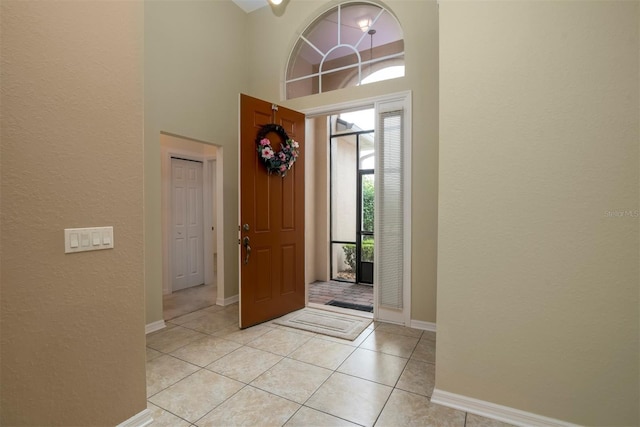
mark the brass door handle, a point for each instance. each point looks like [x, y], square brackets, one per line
[245, 242]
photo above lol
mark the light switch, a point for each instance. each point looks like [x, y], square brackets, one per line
[74, 240]
[87, 239]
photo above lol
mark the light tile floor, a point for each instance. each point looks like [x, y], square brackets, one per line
[188, 300]
[204, 371]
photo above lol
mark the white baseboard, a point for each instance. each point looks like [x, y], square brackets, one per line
[141, 419]
[425, 326]
[493, 411]
[154, 326]
[228, 301]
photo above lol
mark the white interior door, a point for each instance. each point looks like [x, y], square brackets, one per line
[188, 230]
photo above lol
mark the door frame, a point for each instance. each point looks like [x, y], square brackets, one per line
[386, 315]
[172, 232]
[207, 205]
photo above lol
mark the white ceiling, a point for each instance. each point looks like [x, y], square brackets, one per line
[250, 5]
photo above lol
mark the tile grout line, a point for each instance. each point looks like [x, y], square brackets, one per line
[334, 371]
[221, 403]
[288, 356]
[171, 385]
[166, 410]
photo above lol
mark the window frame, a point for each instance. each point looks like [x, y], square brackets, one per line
[353, 79]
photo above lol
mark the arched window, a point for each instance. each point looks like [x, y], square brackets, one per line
[344, 46]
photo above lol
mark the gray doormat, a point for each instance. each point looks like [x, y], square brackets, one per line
[352, 306]
[323, 322]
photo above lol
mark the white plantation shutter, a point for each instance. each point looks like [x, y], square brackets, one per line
[390, 212]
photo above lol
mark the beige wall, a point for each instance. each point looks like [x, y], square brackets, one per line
[345, 189]
[195, 67]
[321, 194]
[272, 39]
[310, 210]
[537, 284]
[316, 201]
[72, 119]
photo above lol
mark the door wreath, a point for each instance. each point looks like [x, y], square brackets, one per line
[284, 159]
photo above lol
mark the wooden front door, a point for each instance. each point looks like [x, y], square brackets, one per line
[271, 217]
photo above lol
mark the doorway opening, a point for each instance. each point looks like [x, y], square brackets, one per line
[191, 216]
[351, 213]
[360, 226]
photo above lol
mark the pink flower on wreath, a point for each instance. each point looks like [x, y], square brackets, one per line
[295, 144]
[267, 152]
[282, 156]
[283, 168]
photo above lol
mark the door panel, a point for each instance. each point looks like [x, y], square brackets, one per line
[188, 230]
[290, 264]
[272, 279]
[288, 205]
[179, 227]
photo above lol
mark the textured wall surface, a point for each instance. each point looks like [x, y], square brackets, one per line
[537, 273]
[72, 341]
[319, 265]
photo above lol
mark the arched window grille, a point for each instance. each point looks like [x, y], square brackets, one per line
[342, 47]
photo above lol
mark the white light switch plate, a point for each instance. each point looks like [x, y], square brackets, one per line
[87, 239]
